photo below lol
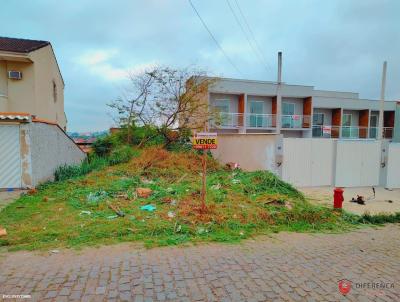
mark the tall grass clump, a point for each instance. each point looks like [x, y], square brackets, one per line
[95, 162]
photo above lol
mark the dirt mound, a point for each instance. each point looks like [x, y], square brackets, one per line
[158, 162]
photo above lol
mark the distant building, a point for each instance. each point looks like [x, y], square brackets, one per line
[85, 143]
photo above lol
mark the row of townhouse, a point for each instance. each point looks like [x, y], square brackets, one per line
[247, 106]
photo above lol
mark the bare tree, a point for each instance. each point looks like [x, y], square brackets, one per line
[169, 99]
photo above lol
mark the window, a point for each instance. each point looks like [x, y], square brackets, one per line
[256, 111]
[54, 91]
[223, 105]
[347, 119]
[374, 121]
[373, 124]
[288, 108]
[318, 119]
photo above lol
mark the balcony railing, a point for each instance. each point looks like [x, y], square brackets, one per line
[296, 121]
[350, 132]
[227, 120]
[236, 120]
[326, 131]
[256, 120]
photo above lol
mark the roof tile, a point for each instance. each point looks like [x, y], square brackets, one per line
[21, 45]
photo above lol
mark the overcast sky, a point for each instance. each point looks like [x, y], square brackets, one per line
[333, 45]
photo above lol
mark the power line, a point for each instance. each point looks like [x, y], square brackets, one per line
[214, 39]
[252, 34]
[246, 35]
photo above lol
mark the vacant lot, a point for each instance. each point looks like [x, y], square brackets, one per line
[87, 210]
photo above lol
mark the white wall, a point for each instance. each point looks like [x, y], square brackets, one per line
[308, 162]
[251, 151]
[357, 163]
[393, 166]
[51, 148]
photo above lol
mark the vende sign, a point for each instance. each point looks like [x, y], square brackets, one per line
[326, 130]
[205, 140]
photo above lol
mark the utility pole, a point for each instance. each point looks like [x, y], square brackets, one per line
[279, 96]
[382, 102]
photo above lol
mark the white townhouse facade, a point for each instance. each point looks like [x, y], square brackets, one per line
[248, 106]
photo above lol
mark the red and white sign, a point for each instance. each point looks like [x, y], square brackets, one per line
[205, 140]
[327, 130]
[344, 286]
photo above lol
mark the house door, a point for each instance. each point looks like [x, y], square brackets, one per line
[318, 123]
[10, 159]
[256, 111]
[373, 126]
[346, 126]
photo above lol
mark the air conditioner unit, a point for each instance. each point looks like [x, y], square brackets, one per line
[15, 75]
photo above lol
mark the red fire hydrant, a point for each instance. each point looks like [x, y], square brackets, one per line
[338, 198]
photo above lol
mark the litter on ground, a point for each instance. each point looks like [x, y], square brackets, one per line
[143, 192]
[96, 196]
[148, 207]
[85, 213]
[3, 232]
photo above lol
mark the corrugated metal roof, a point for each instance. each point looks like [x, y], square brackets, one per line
[14, 117]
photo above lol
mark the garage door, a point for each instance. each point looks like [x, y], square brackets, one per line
[393, 171]
[357, 163]
[10, 161]
[307, 161]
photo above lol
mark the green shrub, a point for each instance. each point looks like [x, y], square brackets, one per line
[103, 146]
[88, 165]
[121, 155]
[95, 162]
[380, 218]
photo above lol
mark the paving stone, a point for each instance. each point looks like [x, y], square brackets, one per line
[297, 267]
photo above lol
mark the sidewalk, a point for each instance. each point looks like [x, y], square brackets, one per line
[379, 204]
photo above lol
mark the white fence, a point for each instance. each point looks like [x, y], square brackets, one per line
[344, 163]
[393, 166]
[357, 163]
[308, 161]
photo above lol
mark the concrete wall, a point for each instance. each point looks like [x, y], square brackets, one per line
[251, 151]
[21, 93]
[393, 164]
[308, 162]
[50, 148]
[46, 71]
[3, 86]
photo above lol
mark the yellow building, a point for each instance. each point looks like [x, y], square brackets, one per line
[31, 81]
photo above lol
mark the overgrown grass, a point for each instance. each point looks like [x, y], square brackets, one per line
[75, 212]
[95, 162]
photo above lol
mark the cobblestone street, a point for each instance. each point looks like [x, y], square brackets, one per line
[287, 267]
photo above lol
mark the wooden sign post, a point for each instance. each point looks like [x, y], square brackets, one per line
[204, 141]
